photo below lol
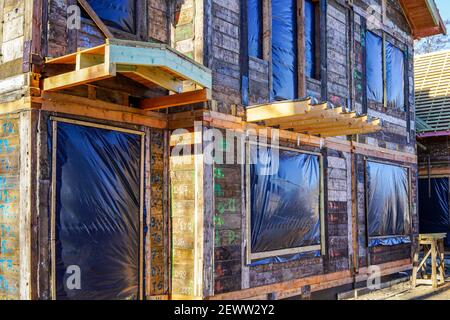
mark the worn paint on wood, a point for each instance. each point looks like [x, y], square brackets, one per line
[9, 209]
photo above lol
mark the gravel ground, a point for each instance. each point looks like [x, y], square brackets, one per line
[403, 291]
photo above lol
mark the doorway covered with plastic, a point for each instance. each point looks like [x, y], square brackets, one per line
[96, 211]
[434, 214]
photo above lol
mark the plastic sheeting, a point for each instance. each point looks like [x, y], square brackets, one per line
[284, 259]
[388, 200]
[284, 49]
[119, 14]
[310, 39]
[286, 204]
[374, 67]
[97, 213]
[389, 241]
[395, 76]
[254, 19]
[434, 214]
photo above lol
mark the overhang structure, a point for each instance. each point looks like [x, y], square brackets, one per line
[149, 64]
[321, 119]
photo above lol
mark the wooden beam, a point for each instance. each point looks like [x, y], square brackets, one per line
[161, 78]
[313, 115]
[176, 100]
[278, 110]
[97, 109]
[78, 77]
[349, 131]
[97, 20]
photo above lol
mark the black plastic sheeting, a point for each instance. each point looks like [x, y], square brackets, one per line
[255, 18]
[395, 76]
[374, 67]
[97, 212]
[310, 39]
[119, 14]
[284, 49]
[388, 200]
[286, 204]
[434, 214]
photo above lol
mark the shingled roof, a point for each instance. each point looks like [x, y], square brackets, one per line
[432, 85]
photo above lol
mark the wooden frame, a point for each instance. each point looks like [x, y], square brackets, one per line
[366, 201]
[55, 121]
[261, 255]
[319, 119]
[149, 64]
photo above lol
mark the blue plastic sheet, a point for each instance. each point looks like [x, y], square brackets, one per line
[374, 67]
[119, 14]
[284, 50]
[310, 39]
[388, 200]
[285, 259]
[285, 202]
[434, 214]
[254, 18]
[389, 241]
[97, 213]
[395, 77]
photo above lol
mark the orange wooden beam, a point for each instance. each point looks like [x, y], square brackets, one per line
[175, 100]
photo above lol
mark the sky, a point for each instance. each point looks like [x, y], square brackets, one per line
[444, 8]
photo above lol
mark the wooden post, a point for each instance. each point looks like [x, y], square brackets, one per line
[441, 261]
[433, 264]
[301, 48]
[415, 266]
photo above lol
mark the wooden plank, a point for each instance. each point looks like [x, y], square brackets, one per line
[96, 109]
[176, 100]
[78, 77]
[161, 78]
[301, 58]
[277, 110]
[317, 282]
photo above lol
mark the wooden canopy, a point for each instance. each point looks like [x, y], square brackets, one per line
[315, 119]
[149, 64]
[424, 18]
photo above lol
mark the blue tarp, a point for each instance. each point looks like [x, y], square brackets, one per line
[310, 39]
[284, 50]
[119, 14]
[395, 77]
[254, 16]
[434, 215]
[97, 212]
[388, 200]
[285, 203]
[374, 67]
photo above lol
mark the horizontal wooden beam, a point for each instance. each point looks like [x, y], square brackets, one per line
[278, 110]
[158, 77]
[175, 100]
[311, 116]
[78, 77]
[96, 109]
[317, 282]
[349, 131]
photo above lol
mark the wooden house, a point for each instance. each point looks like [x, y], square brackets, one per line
[97, 98]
